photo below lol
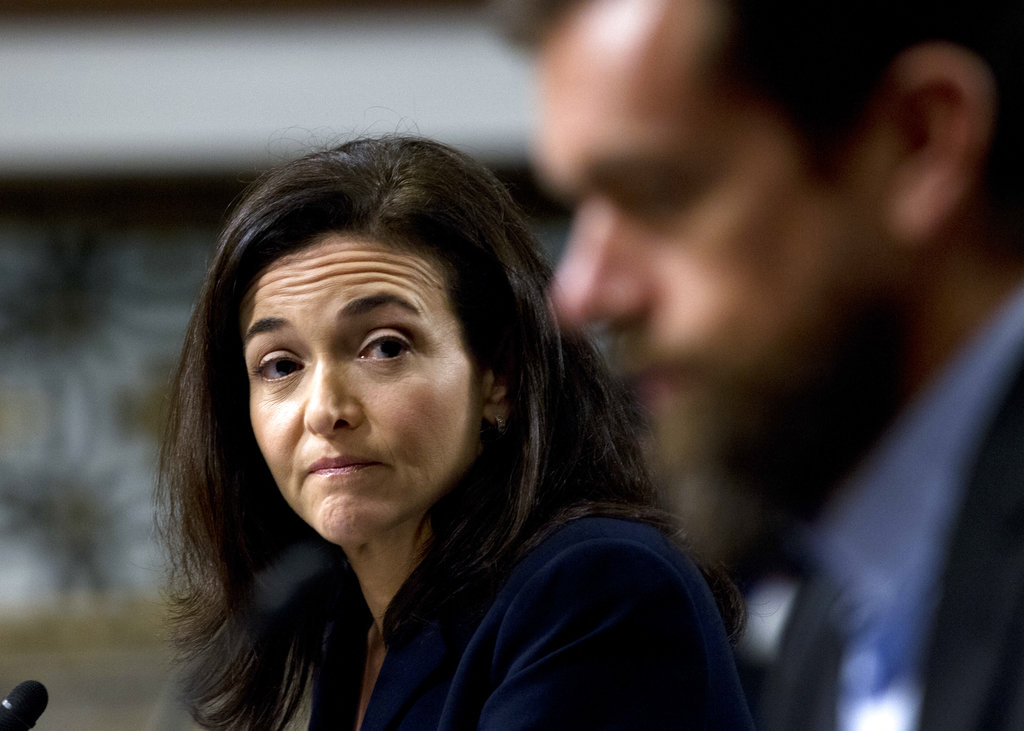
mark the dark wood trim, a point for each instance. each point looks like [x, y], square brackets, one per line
[134, 7]
[112, 202]
[191, 200]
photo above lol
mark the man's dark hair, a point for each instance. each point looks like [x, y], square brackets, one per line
[821, 60]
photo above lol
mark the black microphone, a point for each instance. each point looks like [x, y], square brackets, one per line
[286, 584]
[23, 706]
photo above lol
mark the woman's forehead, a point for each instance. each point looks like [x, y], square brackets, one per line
[352, 268]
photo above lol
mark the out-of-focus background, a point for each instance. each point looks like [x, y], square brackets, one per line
[126, 129]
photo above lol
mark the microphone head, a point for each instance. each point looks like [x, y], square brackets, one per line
[23, 706]
[286, 584]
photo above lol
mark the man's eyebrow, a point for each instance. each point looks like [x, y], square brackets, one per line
[266, 325]
[363, 305]
[607, 175]
[622, 172]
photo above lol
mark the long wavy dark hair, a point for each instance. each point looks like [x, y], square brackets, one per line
[572, 445]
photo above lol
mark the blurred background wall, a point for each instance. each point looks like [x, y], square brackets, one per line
[125, 133]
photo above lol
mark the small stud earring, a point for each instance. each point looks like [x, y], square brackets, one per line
[500, 424]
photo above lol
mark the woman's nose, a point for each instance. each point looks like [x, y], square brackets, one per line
[331, 405]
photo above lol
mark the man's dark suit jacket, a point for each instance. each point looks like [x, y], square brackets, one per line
[974, 666]
[605, 625]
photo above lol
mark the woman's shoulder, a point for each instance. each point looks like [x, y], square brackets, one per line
[586, 539]
[614, 559]
[601, 529]
[605, 624]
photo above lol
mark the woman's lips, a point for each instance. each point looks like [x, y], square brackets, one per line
[339, 465]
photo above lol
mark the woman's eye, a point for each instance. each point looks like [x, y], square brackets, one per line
[385, 348]
[278, 368]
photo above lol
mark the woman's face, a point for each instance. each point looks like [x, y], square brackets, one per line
[363, 398]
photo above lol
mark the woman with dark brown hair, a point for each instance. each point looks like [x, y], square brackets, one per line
[388, 472]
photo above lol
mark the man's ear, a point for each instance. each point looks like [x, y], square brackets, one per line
[939, 103]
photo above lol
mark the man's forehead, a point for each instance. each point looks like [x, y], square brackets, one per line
[659, 38]
[615, 26]
[614, 72]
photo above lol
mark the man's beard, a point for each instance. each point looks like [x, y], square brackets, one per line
[750, 458]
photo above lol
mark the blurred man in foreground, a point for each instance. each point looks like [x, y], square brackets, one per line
[802, 222]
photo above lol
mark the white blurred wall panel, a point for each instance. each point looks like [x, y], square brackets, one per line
[171, 94]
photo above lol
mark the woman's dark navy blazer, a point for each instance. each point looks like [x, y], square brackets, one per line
[605, 625]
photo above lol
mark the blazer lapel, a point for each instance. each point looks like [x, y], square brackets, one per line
[407, 669]
[800, 687]
[974, 667]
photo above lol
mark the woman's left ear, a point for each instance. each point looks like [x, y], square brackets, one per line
[495, 398]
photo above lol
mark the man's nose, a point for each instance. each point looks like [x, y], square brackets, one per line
[599, 278]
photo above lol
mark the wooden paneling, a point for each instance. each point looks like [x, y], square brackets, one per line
[65, 7]
[200, 200]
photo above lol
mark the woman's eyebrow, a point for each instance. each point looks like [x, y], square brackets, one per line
[266, 325]
[358, 306]
[363, 305]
